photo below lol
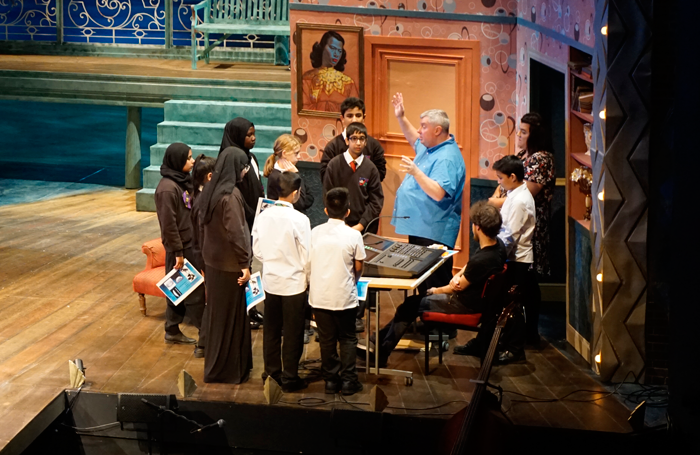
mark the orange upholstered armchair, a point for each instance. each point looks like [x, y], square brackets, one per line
[145, 282]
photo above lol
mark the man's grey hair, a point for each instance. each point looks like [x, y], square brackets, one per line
[437, 117]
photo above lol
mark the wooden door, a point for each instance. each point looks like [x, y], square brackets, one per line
[431, 74]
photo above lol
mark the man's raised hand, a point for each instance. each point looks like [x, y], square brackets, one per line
[397, 101]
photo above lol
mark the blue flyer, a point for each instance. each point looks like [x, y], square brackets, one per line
[178, 284]
[254, 292]
[363, 288]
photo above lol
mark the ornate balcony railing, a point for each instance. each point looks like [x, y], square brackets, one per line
[160, 23]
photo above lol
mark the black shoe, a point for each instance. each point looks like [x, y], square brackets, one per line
[255, 316]
[359, 325]
[198, 353]
[292, 385]
[351, 387]
[180, 338]
[471, 348]
[508, 357]
[332, 387]
[254, 325]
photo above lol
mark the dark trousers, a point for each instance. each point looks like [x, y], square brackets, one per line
[407, 312]
[192, 306]
[521, 274]
[283, 312]
[337, 327]
[442, 275]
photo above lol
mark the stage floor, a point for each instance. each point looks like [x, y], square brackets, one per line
[150, 67]
[66, 293]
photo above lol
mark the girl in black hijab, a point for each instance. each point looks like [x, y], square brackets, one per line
[173, 204]
[240, 133]
[227, 257]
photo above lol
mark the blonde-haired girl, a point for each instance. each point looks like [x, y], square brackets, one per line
[284, 159]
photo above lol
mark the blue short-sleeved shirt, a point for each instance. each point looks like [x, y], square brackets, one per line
[430, 219]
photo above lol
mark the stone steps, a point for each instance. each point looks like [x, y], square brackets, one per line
[124, 90]
[158, 152]
[211, 133]
[151, 175]
[200, 124]
[272, 114]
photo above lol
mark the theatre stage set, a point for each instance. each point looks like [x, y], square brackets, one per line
[68, 261]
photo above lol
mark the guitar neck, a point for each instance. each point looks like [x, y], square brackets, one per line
[462, 443]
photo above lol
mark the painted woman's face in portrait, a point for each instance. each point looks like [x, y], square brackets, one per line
[332, 53]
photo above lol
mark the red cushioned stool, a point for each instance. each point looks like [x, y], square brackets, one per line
[145, 282]
[494, 296]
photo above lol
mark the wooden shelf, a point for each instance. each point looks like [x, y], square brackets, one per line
[583, 77]
[582, 158]
[588, 118]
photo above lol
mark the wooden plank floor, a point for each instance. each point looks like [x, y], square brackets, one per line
[65, 293]
[145, 67]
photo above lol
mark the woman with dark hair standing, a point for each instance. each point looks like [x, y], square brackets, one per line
[173, 204]
[534, 143]
[227, 256]
[325, 86]
[201, 174]
[240, 133]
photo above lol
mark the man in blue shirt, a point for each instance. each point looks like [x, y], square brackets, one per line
[431, 193]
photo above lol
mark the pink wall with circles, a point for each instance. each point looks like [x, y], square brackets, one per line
[505, 50]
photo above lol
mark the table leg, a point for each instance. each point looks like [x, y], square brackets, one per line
[407, 375]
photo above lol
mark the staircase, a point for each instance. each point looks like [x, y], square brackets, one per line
[200, 124]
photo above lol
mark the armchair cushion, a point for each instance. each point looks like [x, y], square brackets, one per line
[145, 281]
[456, 319]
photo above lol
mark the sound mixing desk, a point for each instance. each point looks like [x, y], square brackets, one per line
[389, 259]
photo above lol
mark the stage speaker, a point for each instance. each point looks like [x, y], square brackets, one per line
[143, 407]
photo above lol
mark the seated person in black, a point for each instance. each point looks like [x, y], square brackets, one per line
[463, 294]
[353, 110]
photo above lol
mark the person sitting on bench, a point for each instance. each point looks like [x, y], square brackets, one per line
[463, 293]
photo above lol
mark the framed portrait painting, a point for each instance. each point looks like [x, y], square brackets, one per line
[330, 64]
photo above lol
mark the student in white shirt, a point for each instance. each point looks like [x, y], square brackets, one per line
[518, 213]
[282, 241]
[337, 252]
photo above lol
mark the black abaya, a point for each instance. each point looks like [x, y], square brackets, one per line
[226, 253]
[229, 353]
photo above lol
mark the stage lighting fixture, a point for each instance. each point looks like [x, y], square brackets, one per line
[76, 373]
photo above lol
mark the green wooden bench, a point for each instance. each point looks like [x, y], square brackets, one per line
[242, 17]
